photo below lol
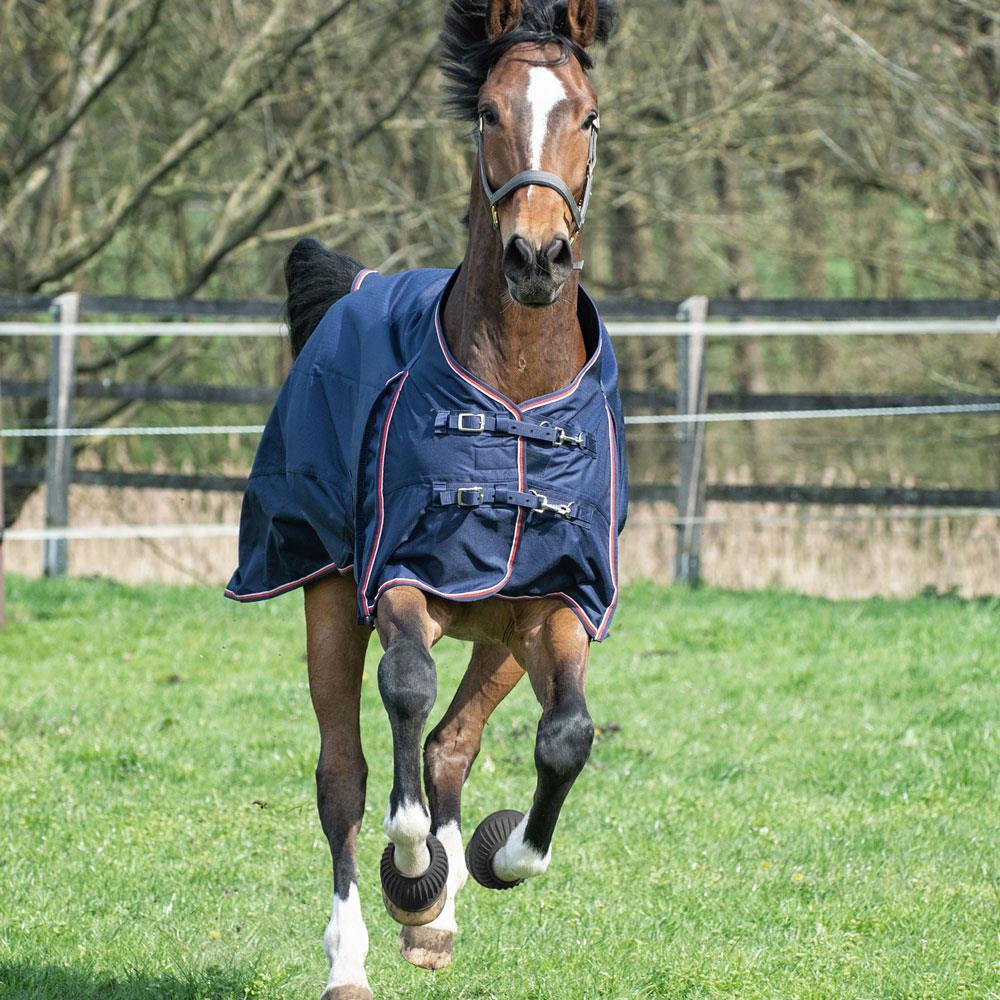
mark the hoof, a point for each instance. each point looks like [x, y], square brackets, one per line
[426, 947]
[489, 837]
[347, 993]
[415, 901]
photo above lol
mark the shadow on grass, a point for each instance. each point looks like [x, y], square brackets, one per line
[24, 980]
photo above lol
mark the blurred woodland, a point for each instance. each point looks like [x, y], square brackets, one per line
[749, 148]
[814, 147]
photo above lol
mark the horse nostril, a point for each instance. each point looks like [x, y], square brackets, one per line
[518, 258]
[558, 255]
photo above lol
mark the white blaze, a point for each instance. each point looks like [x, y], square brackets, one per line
[545, 91]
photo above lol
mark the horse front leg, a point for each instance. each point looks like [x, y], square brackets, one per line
[449, 754]
[508, 847]
[414, 867]
[336, 655]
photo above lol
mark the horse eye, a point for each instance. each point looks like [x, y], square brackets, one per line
[489, 117]
[592, 119]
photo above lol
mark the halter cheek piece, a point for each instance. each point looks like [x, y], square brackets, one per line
[542, 178]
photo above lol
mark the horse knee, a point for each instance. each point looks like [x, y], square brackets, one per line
[563, 744]
[449, 754]
[407, 680]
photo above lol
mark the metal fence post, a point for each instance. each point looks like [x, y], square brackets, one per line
[3, 523]
[59, 452]
[692, 398]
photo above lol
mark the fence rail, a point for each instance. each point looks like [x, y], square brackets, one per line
[691, 322]
[611, 308]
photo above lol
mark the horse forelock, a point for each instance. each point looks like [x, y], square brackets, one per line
[469, 54]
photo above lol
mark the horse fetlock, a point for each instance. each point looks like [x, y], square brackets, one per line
[519, 859]
[346, 944]
[562, 746]
[408, 827]
[450, 836]
[489, 839]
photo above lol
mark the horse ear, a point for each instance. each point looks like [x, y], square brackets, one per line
[581, 22]
[503, 16]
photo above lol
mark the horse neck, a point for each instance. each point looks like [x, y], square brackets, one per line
[522, 352]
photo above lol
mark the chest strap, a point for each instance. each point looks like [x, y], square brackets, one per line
[480, 496]
[498, 423]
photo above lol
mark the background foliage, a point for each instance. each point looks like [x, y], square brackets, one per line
[807, 148]
[772, 147]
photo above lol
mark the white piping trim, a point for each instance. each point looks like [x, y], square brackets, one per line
[363, 587]
[328, 570]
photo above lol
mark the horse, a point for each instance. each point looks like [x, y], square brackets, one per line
[512, 331]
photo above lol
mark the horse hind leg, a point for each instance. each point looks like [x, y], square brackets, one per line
[449, 754]
[336, 654]
[506, 847]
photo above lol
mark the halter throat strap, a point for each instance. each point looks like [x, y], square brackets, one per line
[540, 178]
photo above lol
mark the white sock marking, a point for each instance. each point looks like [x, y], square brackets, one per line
[545, 91]
[516, 859]
[346, 942]
[451, 838]
[408, 828]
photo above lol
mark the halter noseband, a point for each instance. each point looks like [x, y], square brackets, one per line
[542, 178]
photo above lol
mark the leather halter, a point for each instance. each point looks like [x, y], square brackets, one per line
[542, 178]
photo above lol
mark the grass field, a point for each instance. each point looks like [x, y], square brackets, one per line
[788, 798]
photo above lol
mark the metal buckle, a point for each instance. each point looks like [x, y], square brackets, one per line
[562, 437]
[562, 509]
[466, 428]
[477, 494]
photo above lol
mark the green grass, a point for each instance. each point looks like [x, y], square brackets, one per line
[801, 802]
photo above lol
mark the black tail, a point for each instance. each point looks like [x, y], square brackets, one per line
[315, 278]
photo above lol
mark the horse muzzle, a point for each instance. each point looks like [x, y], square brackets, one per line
[536, 276]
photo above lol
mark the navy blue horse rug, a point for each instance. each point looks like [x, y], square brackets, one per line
[385, 458]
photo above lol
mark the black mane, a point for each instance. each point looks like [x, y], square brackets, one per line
[468, 54]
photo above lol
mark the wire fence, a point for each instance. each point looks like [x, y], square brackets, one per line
[689, 420]
[619, 328]
[124, 532]
[748, 416]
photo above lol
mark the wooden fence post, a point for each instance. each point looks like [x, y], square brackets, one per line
[59, 452]
[692, 398]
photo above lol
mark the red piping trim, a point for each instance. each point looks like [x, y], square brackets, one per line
[577, 610]
[517, 409]
[467, 376]
[613, 527]
[381, 504]
[285, 587]
[559, 394]
[359, 278]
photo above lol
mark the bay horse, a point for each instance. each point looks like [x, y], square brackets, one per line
[511, 328]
